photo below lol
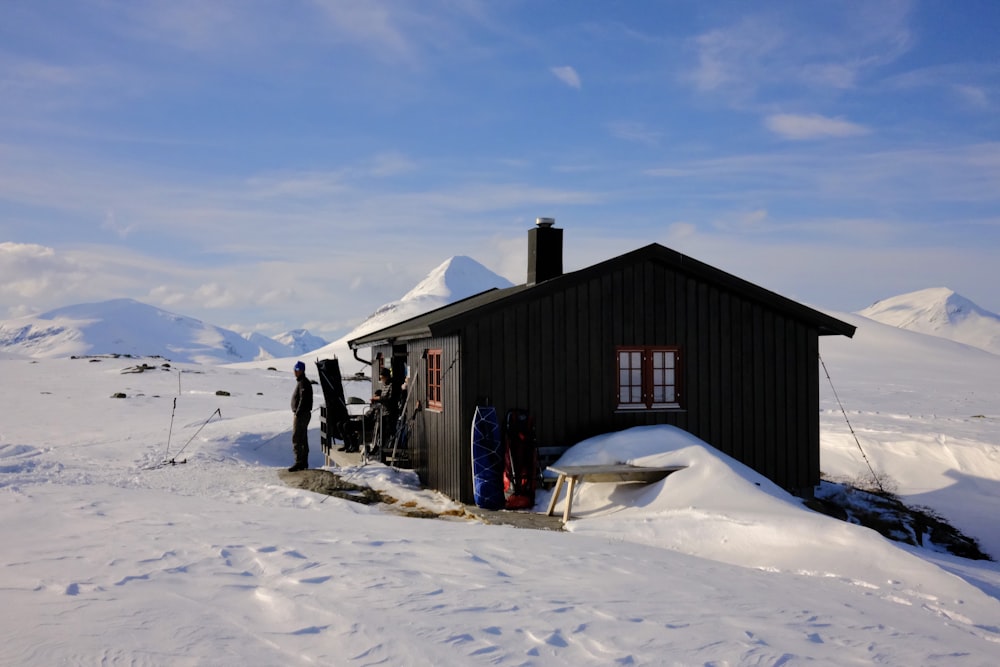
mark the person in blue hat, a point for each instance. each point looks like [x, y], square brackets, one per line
[302, 405]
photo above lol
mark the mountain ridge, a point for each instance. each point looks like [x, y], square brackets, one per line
[941, 312]
[127, 326]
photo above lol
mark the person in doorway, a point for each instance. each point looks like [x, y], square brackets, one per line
[302, 403]
[384, 408]
[384, 396]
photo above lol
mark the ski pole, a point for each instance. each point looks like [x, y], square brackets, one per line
[171, 430]
[218, 411]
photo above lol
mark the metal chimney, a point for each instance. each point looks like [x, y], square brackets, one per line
[544, 251]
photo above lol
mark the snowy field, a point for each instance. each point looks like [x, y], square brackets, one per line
[109, 560]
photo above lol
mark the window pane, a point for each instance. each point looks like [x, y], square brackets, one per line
[648, 376]
[434, 378]
[662, 376]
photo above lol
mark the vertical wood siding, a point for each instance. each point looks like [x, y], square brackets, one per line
[439, 462]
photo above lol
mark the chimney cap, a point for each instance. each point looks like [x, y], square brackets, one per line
[545, 222]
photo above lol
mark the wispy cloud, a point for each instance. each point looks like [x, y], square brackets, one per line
[946, 177]
[780, 51]
[837, 76]
[111, 224]
[403, 32]
[190, 25]
[635, 132]
[374, 26]
[23, 270]
[974, 96]
[32, 275]
[567, 75]
[812, 126]
[391, 164]
[972, 85]
[731, 58]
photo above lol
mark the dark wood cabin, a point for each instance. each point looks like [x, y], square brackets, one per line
[649, 337]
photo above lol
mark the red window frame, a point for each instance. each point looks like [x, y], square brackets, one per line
[649, 377]
[435, 399]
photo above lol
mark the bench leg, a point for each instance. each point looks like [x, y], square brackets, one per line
[555, 495]
[569, 498]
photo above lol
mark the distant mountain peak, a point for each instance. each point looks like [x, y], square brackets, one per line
[942, 312]
[300, 341]
[455, 279]
[935, 306]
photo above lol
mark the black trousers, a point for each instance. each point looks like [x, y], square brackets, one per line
[300, 439]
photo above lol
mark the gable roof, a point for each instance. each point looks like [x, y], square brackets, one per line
[449, 318]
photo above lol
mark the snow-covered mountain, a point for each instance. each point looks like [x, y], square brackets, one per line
[939, 311]
[269, 348]
[294, 343]
[126, 326]
[454, 279]
[298, 342]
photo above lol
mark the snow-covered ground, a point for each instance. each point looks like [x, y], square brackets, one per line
[109, 560]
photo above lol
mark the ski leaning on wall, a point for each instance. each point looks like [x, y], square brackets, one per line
[488, 454]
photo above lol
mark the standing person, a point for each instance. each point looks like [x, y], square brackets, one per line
[302, 405]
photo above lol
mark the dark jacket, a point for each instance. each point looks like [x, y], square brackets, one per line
[302, 397]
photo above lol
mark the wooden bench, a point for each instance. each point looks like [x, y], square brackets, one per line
[618, 472]
[546, 457]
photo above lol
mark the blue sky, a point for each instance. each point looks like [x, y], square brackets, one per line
[271, 165]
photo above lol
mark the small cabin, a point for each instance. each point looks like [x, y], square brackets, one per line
[648, 337]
